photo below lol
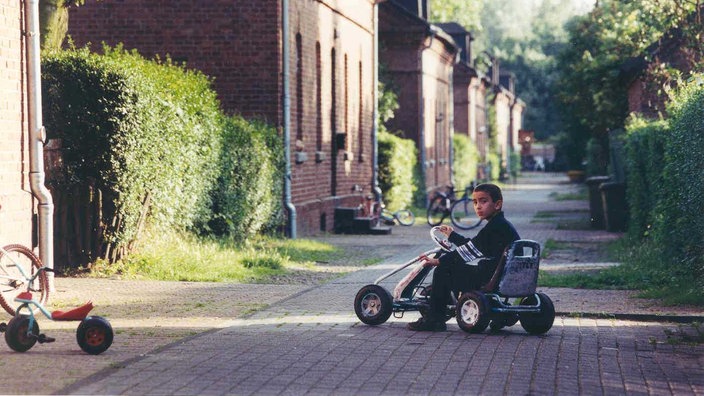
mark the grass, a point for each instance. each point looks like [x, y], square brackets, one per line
[581, 195]
[641, 269]
[184, 257]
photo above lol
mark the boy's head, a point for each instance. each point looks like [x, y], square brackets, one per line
[487, 199]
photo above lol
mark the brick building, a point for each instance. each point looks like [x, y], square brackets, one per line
[16, 203]
[419, 59]
[239, 43]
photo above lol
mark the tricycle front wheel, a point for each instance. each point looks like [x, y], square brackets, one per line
[94, 335]
[17, 335]
[373, 305]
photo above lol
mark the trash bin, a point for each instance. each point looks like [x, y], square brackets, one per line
[613, 196]
[596, 207]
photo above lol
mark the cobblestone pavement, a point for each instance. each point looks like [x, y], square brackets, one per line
[307, 340]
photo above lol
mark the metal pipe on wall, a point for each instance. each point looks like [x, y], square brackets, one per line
[286, 76]
[37, 136]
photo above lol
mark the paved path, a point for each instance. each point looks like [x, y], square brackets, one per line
[312, 343]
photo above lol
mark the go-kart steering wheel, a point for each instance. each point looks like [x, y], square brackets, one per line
[441, 239]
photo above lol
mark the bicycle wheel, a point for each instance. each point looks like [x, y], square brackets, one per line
[405, 217]
[13, 282]
[436, 211]
[462, 215]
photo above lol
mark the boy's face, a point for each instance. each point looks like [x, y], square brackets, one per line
[484, 206]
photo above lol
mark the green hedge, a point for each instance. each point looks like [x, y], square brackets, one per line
[145, 143]
[665, 196]
[398, 175]
[247, 199]
[645, 159]
[465, 158]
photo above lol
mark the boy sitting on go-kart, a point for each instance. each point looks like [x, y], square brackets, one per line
[453, 270]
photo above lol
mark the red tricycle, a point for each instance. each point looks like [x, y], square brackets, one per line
[94, 333]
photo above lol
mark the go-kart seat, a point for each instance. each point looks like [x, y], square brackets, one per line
[516, 275]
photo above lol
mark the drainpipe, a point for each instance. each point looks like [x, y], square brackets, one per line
[37, 136]
[451, 121]
[421, 113]
[375, 111]
[288, 205]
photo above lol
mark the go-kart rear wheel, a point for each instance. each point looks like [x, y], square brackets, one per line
[94, 335]
[472, 312]
[17, 336]
[373, 305]
[540, 322]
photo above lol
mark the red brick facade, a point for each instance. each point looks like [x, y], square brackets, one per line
[419, 59]
[238, 42]
[15, 198]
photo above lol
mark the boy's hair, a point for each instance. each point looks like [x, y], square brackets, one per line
[492, 189]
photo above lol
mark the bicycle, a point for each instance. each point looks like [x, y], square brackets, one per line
[403, 217]
[19, 272]
[460, 211]
[94, 333]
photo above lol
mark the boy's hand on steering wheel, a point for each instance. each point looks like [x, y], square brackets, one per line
[429, 262]
[445, 229]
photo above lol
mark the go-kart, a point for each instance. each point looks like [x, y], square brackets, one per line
[516, 278]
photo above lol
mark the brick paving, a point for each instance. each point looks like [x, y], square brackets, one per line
[309, 341]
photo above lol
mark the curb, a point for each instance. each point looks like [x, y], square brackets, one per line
[634, 317]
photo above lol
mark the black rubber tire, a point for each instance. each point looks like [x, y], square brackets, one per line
[387, 217]
[436, 212]
[463, 216]
[9, 289]
[16, 335]
[541, 322]
[472, 312]
[373, 305]
[405, 217]
[94, 335]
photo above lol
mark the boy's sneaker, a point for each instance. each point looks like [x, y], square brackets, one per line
[424, 324]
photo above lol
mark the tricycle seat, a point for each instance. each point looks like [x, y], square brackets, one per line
[517, 272]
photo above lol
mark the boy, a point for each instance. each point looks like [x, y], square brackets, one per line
[453, 270]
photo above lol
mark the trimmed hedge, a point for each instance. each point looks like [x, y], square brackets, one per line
[398, 173]
[465, 159]
[247, 199]
[145, 142]
[665, 196]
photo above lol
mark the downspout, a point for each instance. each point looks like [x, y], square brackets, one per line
[451, 120]
[288, 205]
[37, 136]
[375, 110]
[421, 113]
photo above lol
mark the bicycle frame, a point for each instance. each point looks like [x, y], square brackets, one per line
[5, 275]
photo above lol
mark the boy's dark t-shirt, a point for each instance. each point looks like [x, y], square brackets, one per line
[489, 244]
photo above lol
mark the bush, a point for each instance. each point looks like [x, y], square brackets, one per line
[397, 170]
[141, 137]
[645, 159]
[465, 158]
[247, 198]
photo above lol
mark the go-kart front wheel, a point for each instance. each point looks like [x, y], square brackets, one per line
[473, 312]
[94, 335]
[373, 305]
[540, 322]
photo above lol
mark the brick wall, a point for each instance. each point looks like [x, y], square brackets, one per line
[15, 200]
[239, 44]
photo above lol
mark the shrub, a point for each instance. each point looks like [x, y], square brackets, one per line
[465, 157]
[247, 198]
[397, 170]
[140, 141]
[645, 159]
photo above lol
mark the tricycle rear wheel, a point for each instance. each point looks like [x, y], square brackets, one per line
[540, 322]
[94, 335]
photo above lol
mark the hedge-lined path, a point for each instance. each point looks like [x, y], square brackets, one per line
[193, 338]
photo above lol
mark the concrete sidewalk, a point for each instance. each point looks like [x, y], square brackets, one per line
[301, 339]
